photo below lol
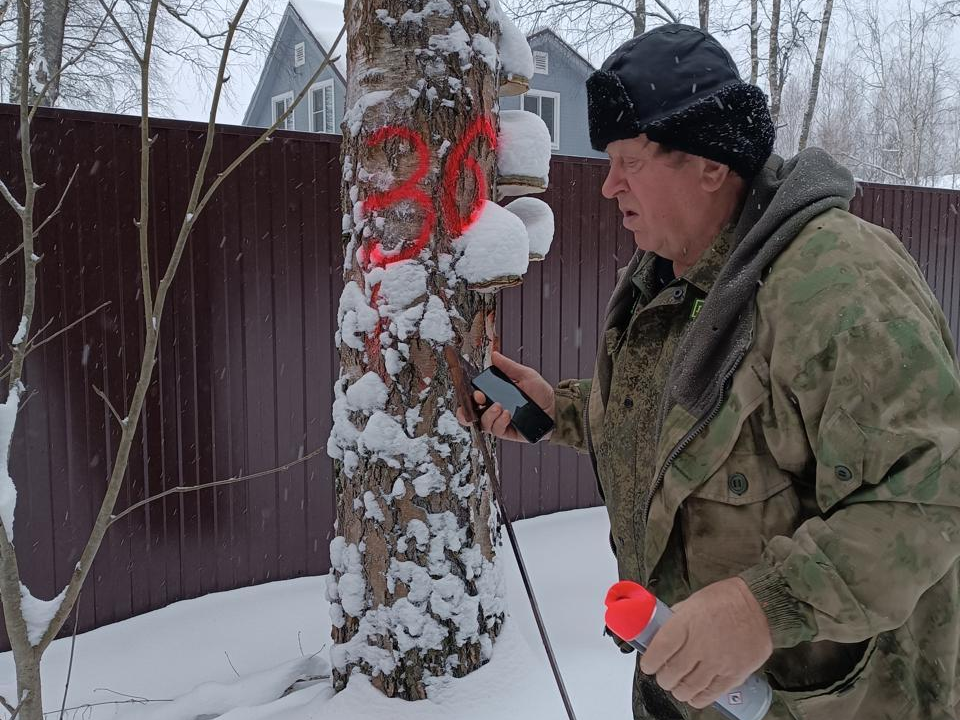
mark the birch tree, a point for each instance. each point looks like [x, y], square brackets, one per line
[33, 623]
[415, 589]
[817, 70]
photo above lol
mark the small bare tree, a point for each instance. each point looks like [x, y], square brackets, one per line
[817, 70]
[30, 631]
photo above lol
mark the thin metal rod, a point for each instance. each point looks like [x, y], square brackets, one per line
[498, 497]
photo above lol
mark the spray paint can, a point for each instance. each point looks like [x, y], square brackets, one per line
[635, 615]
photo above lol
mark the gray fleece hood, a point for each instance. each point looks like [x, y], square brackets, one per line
[783, 198]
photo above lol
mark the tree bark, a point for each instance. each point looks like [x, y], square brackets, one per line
[705, 15]
[815, 80]
[53, 24]
[414, 592]
[45, 51]
[640, 18]
[754, 43]
[773, 69]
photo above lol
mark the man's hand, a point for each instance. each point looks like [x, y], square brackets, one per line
[714, 641]
[494, 419]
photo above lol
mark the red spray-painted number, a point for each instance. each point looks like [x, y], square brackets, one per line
[457, 162]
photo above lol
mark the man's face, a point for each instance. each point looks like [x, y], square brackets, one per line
[658, 194]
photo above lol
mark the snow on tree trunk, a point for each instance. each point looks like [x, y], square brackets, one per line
[46, 53]
[754, 43]
[415, 592]
[640, 17]
[705, 15]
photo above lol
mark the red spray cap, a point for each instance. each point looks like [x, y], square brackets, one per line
[629, 609]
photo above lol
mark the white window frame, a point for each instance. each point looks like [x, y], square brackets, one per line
[317, 86]
[546, 62]
[556, 111]
[287, 97]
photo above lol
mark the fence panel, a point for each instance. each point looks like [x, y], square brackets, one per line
[246, 362]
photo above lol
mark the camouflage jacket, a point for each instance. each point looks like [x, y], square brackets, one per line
[826, 475]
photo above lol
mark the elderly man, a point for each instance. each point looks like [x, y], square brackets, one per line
[774, 416]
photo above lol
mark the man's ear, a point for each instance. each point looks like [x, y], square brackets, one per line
[712, 174]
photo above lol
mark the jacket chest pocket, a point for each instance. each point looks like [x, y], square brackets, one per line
[745, 500]
[727, 522]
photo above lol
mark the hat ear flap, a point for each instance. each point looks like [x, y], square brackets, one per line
[610, 110]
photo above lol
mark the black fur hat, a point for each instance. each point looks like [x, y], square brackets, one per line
[677, 85]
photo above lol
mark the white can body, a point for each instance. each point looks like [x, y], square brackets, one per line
[750, 701]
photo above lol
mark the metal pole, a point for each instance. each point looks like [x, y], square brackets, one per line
[465, 399]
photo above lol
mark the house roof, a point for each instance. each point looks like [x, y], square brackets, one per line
[324, 20]
[549, 34]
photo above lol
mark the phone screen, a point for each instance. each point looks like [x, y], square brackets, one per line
[526, 416]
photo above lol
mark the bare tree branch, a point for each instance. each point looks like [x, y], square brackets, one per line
[264, 137]
[180, 489]
[123, 34]
[181, 18]
[13, 253]
[33, 342]
[11, 200]
[898, 176]
[73, 644]
[56, 210]
[120, 421]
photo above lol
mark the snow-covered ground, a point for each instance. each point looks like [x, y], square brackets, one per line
[231, 655]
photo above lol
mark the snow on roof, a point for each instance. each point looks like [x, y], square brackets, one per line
[324, 20]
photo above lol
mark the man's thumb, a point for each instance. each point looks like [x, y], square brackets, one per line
[515, 371]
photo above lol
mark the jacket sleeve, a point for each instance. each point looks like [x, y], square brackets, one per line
[880, 405]
[571, 398]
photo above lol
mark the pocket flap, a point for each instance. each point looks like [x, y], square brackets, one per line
[840, 455]
[743, 479]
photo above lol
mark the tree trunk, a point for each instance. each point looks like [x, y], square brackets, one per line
[45, 51]
[705, 15]
[754, 43]
[817, 68]
[53, 24]
[640, 18]
[414, 592]
[773, 70]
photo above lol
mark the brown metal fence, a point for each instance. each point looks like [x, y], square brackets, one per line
[247, 359]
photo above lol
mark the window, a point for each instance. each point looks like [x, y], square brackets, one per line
[541, 64]
[322, 108]
[299, 55]
[280, 104]
[547, 106]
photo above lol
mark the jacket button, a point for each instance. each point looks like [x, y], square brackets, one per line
[678, 293]
[627, 402]
[843, 473]
[738, 483]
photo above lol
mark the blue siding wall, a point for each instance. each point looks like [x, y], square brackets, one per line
[280, 76]
[567, 76]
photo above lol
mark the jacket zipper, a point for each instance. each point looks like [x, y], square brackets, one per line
[687, 439]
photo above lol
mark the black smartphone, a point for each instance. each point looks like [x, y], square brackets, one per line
[525, 415]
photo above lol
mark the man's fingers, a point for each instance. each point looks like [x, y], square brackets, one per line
[675, 672]
[664, 646]
[712, 693]
[479, 398]
[695, 682]
[501, 424]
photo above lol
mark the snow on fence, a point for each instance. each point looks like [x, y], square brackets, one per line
[247, 359]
